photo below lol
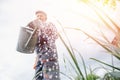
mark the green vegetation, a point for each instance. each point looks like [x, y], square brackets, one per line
[88, 74]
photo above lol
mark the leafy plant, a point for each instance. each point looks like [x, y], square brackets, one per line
[105, 44]
[112, 76]
[92, 77]
[74, 62]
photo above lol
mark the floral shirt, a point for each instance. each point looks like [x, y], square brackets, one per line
[47, 52]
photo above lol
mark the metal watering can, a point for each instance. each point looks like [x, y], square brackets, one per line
[27, 40]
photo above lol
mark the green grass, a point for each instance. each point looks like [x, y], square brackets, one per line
[105, 44]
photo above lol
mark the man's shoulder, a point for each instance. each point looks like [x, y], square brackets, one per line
[30, 24]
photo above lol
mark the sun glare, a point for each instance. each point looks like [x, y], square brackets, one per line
[83, 16]
[86, 15]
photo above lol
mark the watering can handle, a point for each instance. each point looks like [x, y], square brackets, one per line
[30, 36]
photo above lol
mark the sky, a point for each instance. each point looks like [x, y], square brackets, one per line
[17, 13]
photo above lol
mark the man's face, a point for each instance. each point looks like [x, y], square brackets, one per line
[41, 16]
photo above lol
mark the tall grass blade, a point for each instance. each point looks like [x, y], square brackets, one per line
[73, 58]
[104, 37]
[70, 50]
[84, 66]
[106, 64]
[100, 43]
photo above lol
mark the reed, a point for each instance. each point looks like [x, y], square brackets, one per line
[105, 44]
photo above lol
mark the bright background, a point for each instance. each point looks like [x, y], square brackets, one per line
[17, 13]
